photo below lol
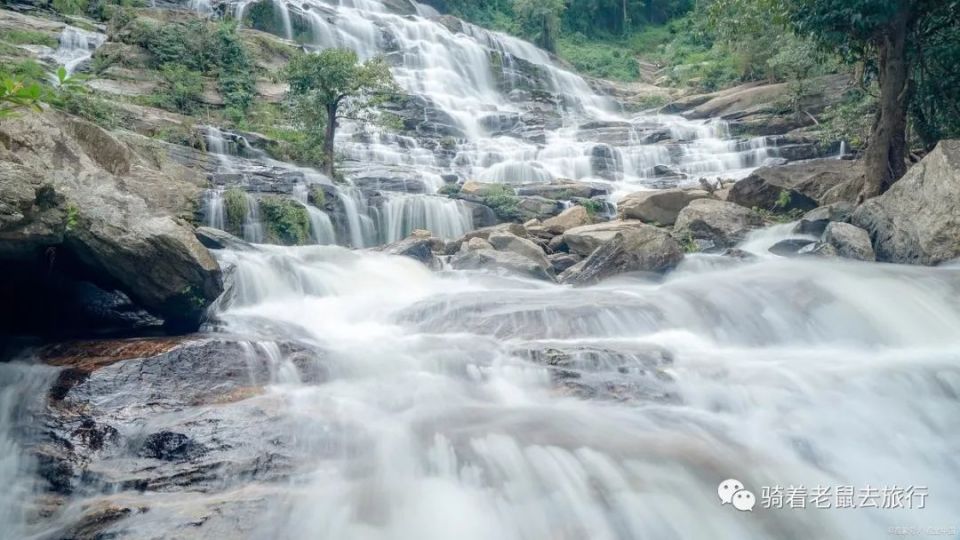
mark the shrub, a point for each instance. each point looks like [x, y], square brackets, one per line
[29, 37]
[69, 7]
[181, 89]
[235, 210]
[503, 201]
[285, 220]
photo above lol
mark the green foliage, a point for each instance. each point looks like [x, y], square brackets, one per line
[235, 210]
[17, 94]
[235, 74]
[605, 59]
[286, 221]
[783, 199]
[539, 20]
[330, 85]
[69, 7]
[29, 37]
[503, 201]
[849, 120]
[450, 189]
[592, 206]
[73, 217]
[26, 70]
[181, 89]
[317, 196]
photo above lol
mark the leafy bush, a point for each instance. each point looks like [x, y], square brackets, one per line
[286, 221]
[503, 201]
[69, 7]
[181, 89]
[606, 59]
[235, 210]
[449, 189]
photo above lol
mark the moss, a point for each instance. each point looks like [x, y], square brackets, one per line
[285, 220]
[503, 201]
[449, 189]
[73, 217]
[29, 37]
[592, 206]
[317, 197]
[235, 208]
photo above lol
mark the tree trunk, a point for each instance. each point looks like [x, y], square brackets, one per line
[884, 158]
[331, 131]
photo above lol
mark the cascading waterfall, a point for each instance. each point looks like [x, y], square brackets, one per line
[445, 218]
[76, 47]
[321, 227]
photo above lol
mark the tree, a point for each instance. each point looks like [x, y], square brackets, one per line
[540, 20]
[333, 84]
[883, 34]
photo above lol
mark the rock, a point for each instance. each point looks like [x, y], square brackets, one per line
[419, 247]
[563, 190]
[815, 221]
[790, 247]
[819, 249]
[659, 207]
[499, 261]
[850, 241]
[644, 248]
[562, 261]
[768, 192]
[917, 221]
[78, 198]
[810, 184]
[505, 241]
[537, 208]
[475, 244]
[476, 189]
[170, 446]
[714, 225]
[575, 216]
[584, 239]
[217, 239]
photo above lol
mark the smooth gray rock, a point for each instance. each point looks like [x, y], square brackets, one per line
[714, 225]
[660, 207]
[500, 261]
[850, 241]
[917, 221]
[639, 249]
[584, 239]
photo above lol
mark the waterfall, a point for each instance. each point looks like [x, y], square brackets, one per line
[76, 47]
[214, 211]
[252, 226]
[445, 218]
[321, 227]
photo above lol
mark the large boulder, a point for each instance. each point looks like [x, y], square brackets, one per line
[575, 216]
[815, 221]
[500, 262]
[806, 184]
[505, 241]
[419, 245]
[583, 240]
[850, 241]
[644, 248]
[77, 200]
[918, 220]
[714, 225]
[657, 206]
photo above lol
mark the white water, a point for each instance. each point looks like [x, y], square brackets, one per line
[783, 372]
[76, 47]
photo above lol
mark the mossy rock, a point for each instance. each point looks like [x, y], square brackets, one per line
[285, 220]
[235, 210]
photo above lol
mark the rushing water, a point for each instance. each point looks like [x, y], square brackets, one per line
[467, 405]
[76, 47]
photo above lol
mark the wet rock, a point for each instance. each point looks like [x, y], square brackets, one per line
[217, 239]
[850, 241]
[714, 225]
[505, 241]
[917, 221]
[475, 244]
[790, 247]
[575, 216]
[815, 221]
[628, 373]
[562, 261]
[658, 207]
[822, 181]
[170, 446]
[585, 239]
[420, 247]
[638, 249]
[605, 162]
[77, 196]
[500, 262]
[767, 192]
[563, 190]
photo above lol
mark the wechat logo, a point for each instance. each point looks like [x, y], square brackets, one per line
[732, 492]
